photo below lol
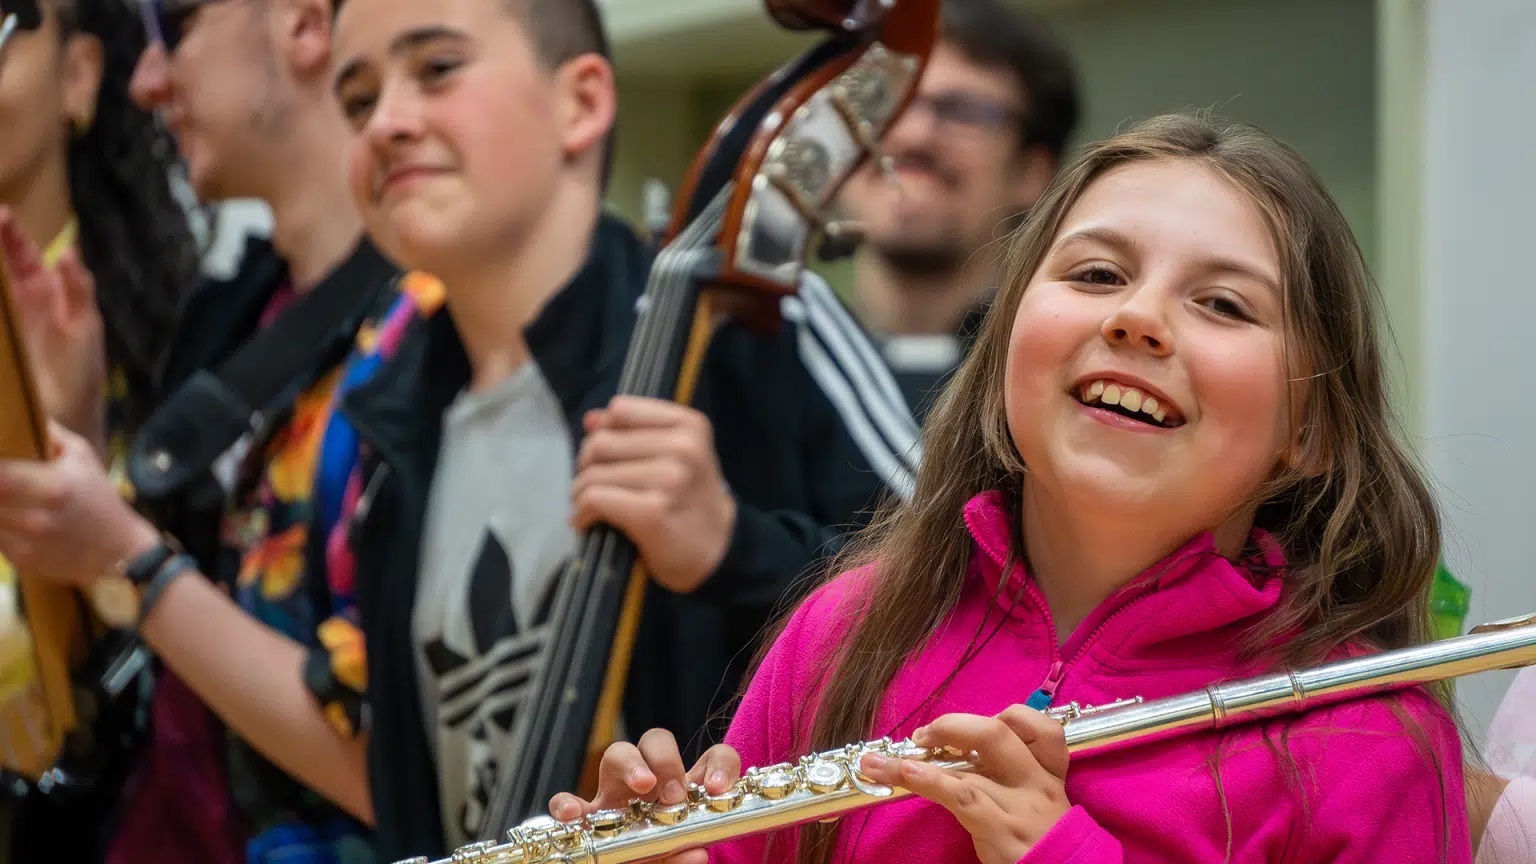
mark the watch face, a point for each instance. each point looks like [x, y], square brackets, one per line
[116, 602]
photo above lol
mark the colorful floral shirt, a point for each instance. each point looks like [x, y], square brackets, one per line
[294, 576]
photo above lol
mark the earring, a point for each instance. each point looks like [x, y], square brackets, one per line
[80, 125]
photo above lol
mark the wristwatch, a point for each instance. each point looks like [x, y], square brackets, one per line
[118, 597]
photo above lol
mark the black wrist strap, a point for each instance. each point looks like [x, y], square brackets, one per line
[163, 577]
[143, 567]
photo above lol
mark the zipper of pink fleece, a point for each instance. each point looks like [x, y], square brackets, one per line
[1128, 595]
[1063, 656]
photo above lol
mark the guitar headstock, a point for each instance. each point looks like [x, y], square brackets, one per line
[792, 142]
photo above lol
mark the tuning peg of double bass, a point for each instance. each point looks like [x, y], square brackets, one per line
[854, 108]
[858, 125]
[840, 240]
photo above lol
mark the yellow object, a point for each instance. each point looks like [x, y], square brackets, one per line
[51, 255]
[61, 242]
[35, 708]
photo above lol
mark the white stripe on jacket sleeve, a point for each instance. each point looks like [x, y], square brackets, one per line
[845, 363]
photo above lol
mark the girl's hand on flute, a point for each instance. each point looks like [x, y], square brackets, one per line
[1016, 793]
[652, 771]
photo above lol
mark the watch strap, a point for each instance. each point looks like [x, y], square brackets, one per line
[174, 567]
[141, 568]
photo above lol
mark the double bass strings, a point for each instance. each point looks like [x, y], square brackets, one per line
[662, 316]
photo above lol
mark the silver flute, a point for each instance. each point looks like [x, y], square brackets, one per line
[823, 786]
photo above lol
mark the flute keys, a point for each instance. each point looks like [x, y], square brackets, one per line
[726, 801]
[608, 823]
[824, 777]
[774, 785]
[669, 814]
[908, 750]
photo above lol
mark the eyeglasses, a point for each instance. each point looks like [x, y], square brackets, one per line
[165, 21]
[961, 109]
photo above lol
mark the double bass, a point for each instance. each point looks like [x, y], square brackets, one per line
[743, 224]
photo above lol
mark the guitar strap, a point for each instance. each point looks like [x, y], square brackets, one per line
[212, 410]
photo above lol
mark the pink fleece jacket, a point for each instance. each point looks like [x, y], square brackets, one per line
[1367, 789]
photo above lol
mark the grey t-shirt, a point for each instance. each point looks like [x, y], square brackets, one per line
[495, 540]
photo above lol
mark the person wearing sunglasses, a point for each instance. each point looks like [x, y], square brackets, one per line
[242, 88]
[87, 189]
[979, 144]
[100, 254]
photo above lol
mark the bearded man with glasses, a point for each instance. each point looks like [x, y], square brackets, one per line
[978, 146]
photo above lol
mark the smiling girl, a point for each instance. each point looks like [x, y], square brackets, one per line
[1169, 461]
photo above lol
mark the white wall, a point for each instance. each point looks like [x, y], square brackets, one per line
[1479, 303]
[1304, 70]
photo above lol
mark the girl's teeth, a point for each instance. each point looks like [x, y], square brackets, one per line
[1127, 397]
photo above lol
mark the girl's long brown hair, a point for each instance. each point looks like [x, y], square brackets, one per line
[1354, 513]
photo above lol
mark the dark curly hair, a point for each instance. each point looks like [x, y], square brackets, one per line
[135, 236]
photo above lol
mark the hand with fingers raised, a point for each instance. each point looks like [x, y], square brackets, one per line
[62, 330]
[652, 771]
[1017, 792]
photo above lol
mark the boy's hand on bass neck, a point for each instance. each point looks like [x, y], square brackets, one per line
[1017, 792]
[648, 467]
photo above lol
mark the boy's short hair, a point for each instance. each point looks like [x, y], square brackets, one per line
[560, 29]
[563, 29]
